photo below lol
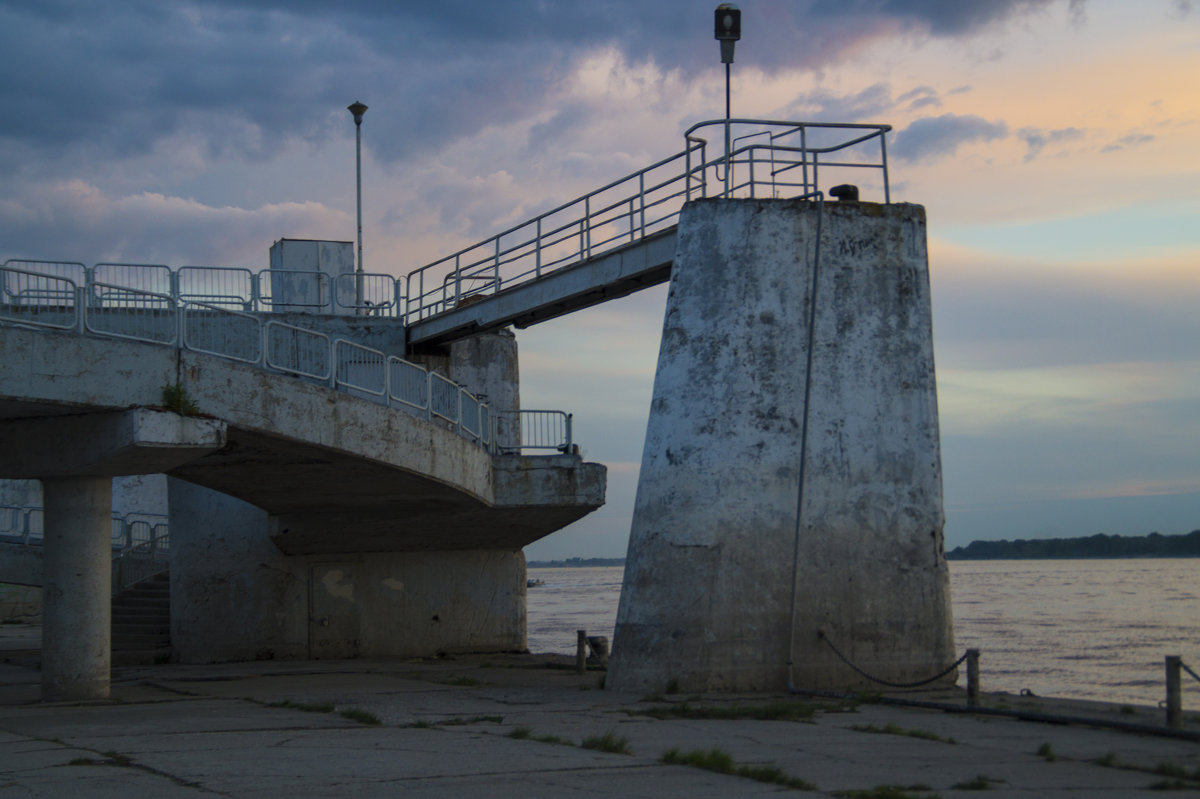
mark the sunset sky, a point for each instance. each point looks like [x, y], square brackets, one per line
[1055, 146]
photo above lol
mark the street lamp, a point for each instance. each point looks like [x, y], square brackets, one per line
[358, 109]
[727, 29]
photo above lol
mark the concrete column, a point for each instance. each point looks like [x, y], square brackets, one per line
[77, 588]
[708, 599]
[487, 366]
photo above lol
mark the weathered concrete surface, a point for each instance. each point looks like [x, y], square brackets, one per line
[446, 730]
[707, 593]
[236, 596]
[295, 449]
[136, 441]
[76, 588]
[20, 565]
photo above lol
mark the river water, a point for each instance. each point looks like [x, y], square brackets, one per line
[1084, 629]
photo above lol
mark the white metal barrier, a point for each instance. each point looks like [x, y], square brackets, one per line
[115, 311]
[515, 431]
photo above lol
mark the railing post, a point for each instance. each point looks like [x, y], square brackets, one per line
[804, 156]
[567, 448]
[887, 190]
[973, 677]
[587, 222]
[457, 278]
[496, 267]
[642, 201]
[537, 257]
[1174, 692]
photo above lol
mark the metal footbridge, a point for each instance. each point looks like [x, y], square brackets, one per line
[620, 238]
[608, 243]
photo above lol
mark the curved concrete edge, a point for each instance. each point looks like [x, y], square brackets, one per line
[47, 373]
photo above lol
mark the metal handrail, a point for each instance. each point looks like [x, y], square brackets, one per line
[271, 344]
[515, 431]
[627, 210]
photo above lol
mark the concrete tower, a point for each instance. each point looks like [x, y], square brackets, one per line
[724, 587]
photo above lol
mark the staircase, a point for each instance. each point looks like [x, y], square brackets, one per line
[141, 622]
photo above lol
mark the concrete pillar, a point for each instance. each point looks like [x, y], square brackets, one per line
[487, 366]
[77, 588]
[711, 600]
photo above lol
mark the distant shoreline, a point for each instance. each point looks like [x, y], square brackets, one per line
[1097, 546]
[575, 563]
[1093, 547]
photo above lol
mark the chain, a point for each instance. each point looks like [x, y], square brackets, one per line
[917, 684]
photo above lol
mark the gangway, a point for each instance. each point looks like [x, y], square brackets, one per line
[620, 238]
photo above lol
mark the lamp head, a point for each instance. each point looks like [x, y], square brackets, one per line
[358, 109]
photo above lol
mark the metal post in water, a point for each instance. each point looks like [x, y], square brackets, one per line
[581, 652]
[1174, 692]
[973, 677]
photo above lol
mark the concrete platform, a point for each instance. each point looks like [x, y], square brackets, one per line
[445, 729]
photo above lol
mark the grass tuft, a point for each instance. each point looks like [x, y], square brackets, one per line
[894, 729]
[360, 715]
[1046, 752]
[891, 792]
[307, 707]
[463, 682]
[782, 710]
[526, 734]
[979, 783]
[723, 763]
[608, 742]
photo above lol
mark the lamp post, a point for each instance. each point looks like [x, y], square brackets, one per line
[728, 29]
[358, 109]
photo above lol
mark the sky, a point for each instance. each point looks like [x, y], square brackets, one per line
[1054, 143]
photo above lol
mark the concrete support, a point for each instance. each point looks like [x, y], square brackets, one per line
[236, 596]
[724, 588]
[76, 617]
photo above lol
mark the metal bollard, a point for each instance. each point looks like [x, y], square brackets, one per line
[581, 652]
[1174, 692]
[973, 677]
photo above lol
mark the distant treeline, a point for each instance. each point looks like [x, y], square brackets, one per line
[573, 562]
[1095, 546]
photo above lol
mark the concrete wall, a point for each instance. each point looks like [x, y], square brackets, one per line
[235, 596]
[707, 595]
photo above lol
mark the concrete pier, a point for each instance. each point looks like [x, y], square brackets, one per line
[77, 569]
[724, 586]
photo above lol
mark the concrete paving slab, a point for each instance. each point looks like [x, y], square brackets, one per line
[446, 730]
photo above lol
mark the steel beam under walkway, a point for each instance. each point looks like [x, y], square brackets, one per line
[614, 274]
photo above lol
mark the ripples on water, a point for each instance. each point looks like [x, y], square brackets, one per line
[1086, 629]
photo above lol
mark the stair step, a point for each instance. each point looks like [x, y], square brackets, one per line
[141, 623]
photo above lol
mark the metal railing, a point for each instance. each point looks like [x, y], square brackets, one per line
[516, 431]
[147, 532]
[114, 311]
[769, 158]
[232, 288]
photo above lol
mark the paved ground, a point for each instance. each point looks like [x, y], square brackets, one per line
[446, 729]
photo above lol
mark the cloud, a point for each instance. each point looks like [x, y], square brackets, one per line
[1036, 139]
[87, 81]
[1128, 142]
[936, 137]
[91, 226]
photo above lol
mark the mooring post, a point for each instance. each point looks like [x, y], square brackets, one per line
[1174, 692]
[581, 652]
[972, 677]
